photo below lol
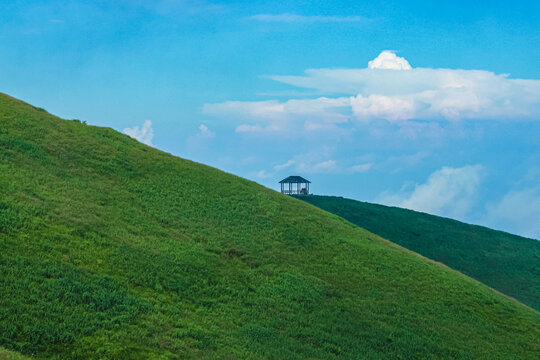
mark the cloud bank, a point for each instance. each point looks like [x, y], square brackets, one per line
[275, 116]
[144, 134]
[389, 89]
[447, 192]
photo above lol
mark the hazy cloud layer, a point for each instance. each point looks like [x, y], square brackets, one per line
[176, 7]
[144, 134]
[307, 164]
[517, 211]
[388, 89]
[447, 192]
[275, 116]
[294, 18]
[360, 168]
[284, 166]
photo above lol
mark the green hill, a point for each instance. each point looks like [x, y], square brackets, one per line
[10, 355]
[112, 249]
[506, 262]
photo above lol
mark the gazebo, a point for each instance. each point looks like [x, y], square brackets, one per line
[301, 188]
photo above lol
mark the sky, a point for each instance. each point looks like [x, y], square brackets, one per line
[432, 106]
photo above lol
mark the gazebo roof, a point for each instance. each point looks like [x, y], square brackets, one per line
[294, 180]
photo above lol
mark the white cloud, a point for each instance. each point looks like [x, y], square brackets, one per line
[431, 94]
[205, 133]
[318, 160]
[360, 168]
[311, 163]
[275, 116]
[381, 107]
[389, 60]
[144, 134]
[322, 167]
[518, 212]
[294, 18]
[448, 192]
[381, 92]
[285, 165]
[200, 139]
[324, 107]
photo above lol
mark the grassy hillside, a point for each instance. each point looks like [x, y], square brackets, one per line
[11, 355]
[506, 262]
[111, 249]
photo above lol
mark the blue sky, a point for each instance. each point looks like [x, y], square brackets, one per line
[433, 106]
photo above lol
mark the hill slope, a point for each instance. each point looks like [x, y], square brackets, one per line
[112, 249]
[506, 262]
[10, 355]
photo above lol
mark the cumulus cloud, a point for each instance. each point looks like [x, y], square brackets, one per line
[389, 60]
[144, 134]
[294, 18]
[389, 89]
[433, 94]
[447, 192]
[518, 212]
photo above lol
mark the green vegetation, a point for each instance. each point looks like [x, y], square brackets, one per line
[11, 355]
[112, 249]
[506, 262]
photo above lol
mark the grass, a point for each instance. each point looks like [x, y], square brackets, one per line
[11, 355]
[111, 249]
[506, 262]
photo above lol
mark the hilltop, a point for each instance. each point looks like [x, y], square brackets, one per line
[112, 249]
[506, 262]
